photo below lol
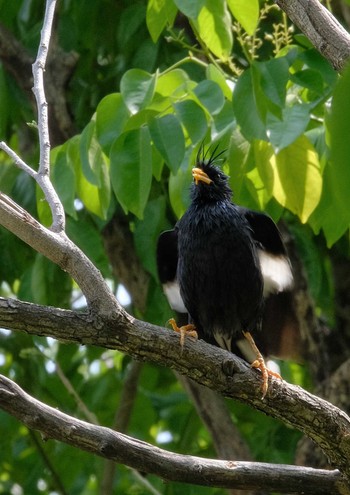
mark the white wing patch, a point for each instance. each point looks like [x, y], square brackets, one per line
[172, 292]
[276, 271]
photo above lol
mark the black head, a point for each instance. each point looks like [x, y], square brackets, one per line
[210, 182]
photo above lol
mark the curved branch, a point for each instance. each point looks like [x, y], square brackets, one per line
[58, 248]
[321, 27]
[147, 458]
[328, 426]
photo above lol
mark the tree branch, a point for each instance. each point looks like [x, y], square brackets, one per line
[172, 467]
[328, 426]
[58, 248]
[321, 27]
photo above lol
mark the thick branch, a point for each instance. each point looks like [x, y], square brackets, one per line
[328, 426]
[321, 27]
[173, 467]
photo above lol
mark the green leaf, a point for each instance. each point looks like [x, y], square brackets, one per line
[5, 104]
[294, 122]
[90, 154]
[63, 178]
[332, 214]
[111, 116]
[273, 79]
[94, 199]
[216, 75]
[147, 231]
[160, 13]
[131, 170]
[214, 28]
[237, 161]
[293, 176]
[174, 81]
[246, 13]
[49, 284]
[137, 89]
[84, 234]
[190, 8]
[336, 205]
[210, 96]
[167, 135]
[157, 163]
[315, 61]
[95, 166]
[193, 118]
[244, 106]
[223, 124]
[308, 78]
[179, 186]
[131, 20]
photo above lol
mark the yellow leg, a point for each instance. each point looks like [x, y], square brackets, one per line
[184, 331]
[259, 363]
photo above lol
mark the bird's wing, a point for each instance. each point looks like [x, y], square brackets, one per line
[274, 261]
[167, 258]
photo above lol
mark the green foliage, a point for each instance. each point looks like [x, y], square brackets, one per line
[154, 83]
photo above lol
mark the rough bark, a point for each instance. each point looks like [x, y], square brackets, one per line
[321, 28]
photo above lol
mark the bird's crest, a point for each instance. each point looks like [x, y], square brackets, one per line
[208, 156]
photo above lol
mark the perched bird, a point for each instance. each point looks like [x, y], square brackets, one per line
[220, 263]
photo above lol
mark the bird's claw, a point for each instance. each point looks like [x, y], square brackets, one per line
[184, 331]
[259, 364]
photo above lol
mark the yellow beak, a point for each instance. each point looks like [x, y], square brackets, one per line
[200, 176]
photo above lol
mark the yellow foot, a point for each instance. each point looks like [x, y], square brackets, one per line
[266, 372]
[259, 363]
[184, 331]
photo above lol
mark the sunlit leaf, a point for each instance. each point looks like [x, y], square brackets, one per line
[293, 176]
[190, 8]
[335, 212]
[171, 82]
[246, 13]
[214, 28]
[160, 13]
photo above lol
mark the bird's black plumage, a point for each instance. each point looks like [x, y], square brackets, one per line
[226, 259]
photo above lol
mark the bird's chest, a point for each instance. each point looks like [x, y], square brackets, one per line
[215, 246]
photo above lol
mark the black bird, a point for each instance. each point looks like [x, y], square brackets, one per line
[220, 263]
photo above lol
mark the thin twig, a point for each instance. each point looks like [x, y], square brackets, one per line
[42, 176]
[49, 465]
[121, 420]
[80, 403]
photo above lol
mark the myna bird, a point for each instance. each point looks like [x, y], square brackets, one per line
[220, 263]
